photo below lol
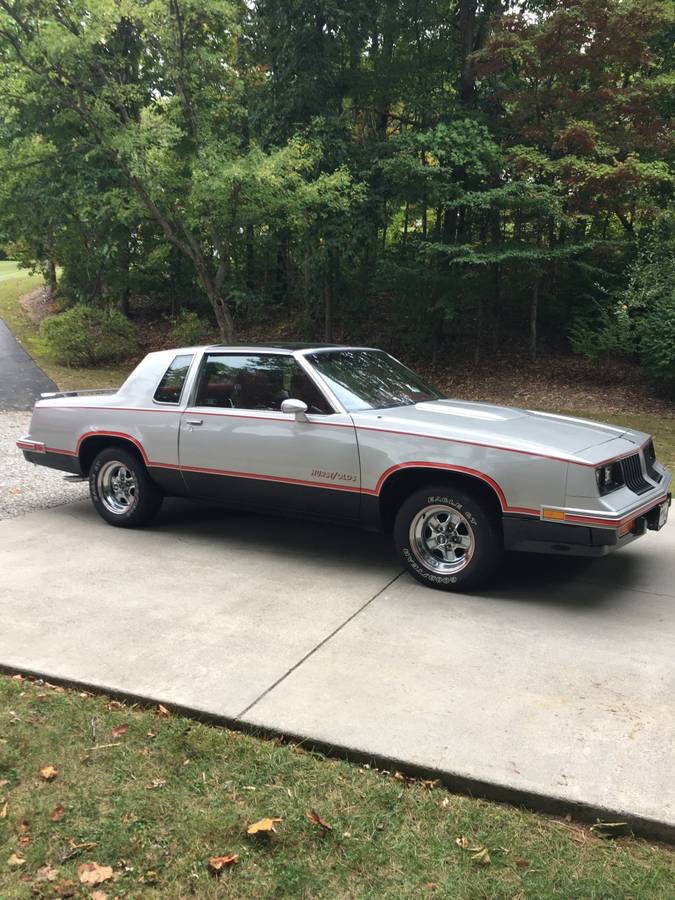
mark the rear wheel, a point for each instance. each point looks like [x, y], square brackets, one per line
[447, 537]
[121, 489]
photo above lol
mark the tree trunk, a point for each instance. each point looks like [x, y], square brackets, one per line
[328, 298]
[250, 258]
[223, 317]
[534, 310]
[51, 279]
[479, 331]
[328, 310]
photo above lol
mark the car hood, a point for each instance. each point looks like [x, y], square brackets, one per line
[503, 426]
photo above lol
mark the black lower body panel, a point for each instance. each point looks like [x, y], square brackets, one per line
[275, 496]
[535, 536]
[62, 461]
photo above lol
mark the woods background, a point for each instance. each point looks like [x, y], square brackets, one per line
[438, 177]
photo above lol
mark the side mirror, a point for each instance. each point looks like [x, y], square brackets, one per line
[296, 408]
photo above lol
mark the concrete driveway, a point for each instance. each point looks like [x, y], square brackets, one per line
[554, 687]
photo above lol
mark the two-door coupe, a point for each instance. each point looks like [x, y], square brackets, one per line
[351, 434]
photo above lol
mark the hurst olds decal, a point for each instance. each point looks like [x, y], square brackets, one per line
[334, 476]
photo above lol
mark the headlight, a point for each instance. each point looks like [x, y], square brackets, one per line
[609, 477]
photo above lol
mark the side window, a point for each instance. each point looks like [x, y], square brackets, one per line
[256, 382]
[171, 386]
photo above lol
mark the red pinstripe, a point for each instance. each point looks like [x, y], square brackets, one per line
[430, 437]
[592, 520]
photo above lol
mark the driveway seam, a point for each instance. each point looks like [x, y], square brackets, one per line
[321, 644]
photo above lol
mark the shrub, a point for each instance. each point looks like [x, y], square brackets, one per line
[189, 329]
[656, 331]
[87, 336]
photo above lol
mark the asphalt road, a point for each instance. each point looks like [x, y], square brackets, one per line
[21, 380]
[554, 687]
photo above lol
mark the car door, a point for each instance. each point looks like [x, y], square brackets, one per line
[237, 446]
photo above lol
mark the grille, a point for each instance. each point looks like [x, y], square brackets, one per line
[632, 473]
[650, 459]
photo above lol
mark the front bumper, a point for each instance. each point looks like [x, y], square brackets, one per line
[530, 535]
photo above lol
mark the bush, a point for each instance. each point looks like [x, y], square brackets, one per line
[656, 331]
[189, 329]
[88, 336]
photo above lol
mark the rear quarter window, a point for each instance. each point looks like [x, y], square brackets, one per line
[171, 386]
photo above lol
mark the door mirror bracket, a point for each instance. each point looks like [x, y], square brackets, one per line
[296, 408]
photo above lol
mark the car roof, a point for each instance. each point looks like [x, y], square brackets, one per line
[285, 346]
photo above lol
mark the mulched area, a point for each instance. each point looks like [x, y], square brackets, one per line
[554, 383]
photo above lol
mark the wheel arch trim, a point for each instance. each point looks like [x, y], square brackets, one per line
[121, 435]
[445, 468]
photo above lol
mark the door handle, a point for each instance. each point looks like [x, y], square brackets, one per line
[194, 421]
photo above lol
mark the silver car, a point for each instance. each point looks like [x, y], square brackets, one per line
[350, 434]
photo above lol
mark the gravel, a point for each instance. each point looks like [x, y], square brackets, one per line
[25, 487]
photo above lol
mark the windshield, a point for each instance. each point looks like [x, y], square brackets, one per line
[370, 379]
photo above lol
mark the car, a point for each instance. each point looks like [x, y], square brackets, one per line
[352, 435]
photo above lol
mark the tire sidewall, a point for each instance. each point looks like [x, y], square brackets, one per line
[487, 552]
[147, 495]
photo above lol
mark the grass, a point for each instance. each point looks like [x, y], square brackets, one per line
[15, 282]
[159, 801]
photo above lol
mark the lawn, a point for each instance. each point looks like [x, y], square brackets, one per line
[156, 800]
[15, 282]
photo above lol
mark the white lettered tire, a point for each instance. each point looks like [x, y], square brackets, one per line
[448, 538]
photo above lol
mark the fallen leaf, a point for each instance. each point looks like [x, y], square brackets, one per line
[48, 773]
[399, 776]
[98, 895]
[115, 704]
[263, 826]
[130, 817]
[163, 711]
[93, 873]
[119, 730]
[481, 857]
[15, 860]
[431, 886]
[157, 783]
[431, 783]
[3, 810]
[522, 863]
[65, 888]
[46, 873]
[218, 863]
[316, 819]
[462, 842]
[151, 735]
[57, 813]
[3, 782]
[24, 826]
[17, 677]
[24, 839]
[444, 803]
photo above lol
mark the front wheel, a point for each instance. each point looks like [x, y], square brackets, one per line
[121, 490]
[448, 538]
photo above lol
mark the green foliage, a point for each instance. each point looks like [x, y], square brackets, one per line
[650, 296]
[302, 160]
[612, 333]
[88, 335]
[656, 334]
[189, 329]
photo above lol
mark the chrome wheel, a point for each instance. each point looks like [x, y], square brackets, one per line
[442, 539]
[117, 487]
